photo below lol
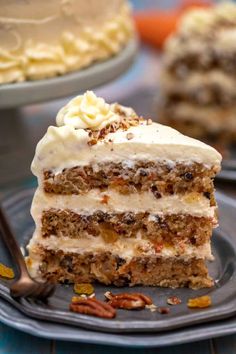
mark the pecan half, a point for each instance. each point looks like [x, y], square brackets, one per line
[128, 301]
[92, 307]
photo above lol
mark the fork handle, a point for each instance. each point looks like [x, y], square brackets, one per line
[10, 241]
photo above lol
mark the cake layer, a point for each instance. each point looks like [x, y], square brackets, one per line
[169, 230]
[60, 266]
[59, 36]
[194, 204]
[159, 178]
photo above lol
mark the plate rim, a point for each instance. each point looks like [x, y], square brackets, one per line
[181, 336]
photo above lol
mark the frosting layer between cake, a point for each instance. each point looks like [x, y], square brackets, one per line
[195, 204]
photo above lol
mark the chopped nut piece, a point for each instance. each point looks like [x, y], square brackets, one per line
[86, 289]
[200, 302]
[130, 136]
[105, 199]
[6, 272]
[92, 307]
[151, 307]
[163, 310]
[174, 300]
[128, 301]
[124, 123]
[92, 142]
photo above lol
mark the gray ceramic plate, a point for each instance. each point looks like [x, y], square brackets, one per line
[223, 294]
[18, 94]
[12, 317]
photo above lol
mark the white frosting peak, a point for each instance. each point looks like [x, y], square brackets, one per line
[86, 111]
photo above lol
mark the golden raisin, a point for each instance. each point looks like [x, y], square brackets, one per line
[108, 234]
[6, 272]
[86, 289]
[200, 302]
[192, 197]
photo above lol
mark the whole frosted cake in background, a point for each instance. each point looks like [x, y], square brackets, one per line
[48, 38]
[121, 200]
[198, 81]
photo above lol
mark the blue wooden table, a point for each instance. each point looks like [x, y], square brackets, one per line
[15, 342]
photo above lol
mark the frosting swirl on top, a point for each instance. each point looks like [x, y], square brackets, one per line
[86, 111]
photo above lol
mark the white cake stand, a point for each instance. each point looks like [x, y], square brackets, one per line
[16, 144]
[19, 94]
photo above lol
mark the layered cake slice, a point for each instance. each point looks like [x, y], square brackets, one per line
[121, 200]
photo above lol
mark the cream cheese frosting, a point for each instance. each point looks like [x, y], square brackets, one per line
[67, 146]
[59, 36]
[127, 247]
[198, 20]
[196, 204]
[86, 111]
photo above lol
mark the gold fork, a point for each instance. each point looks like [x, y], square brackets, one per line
[24, 286]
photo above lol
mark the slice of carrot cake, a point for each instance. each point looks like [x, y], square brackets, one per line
[121, 200]
[198, 86]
